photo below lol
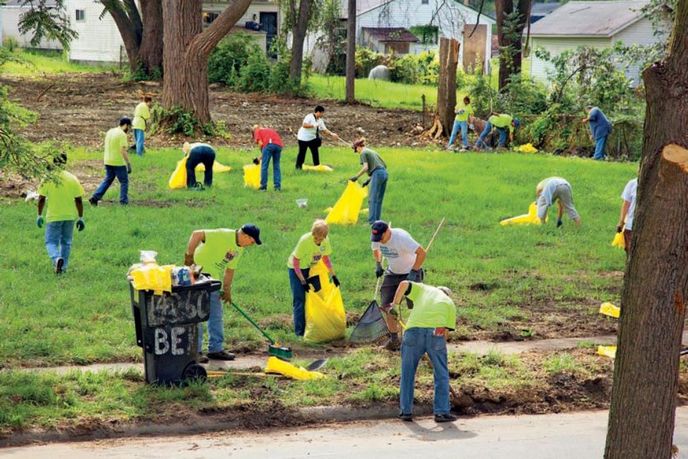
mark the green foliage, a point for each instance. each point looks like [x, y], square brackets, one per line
[179, 121]
[333, 38]
[10, 44]
[427, 34]
[522, 96]
[255, 75]
[483, 96]
[422, 68]
[47, 19]
[228, 58]
[141, 74]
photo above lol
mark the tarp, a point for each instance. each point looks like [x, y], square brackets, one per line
[346, 209]
[530, 218]
[325, 314]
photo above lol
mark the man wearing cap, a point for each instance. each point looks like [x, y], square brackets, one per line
[218, 251]
[117, 163]
[375, 167]
[555, 189]
[433, 313]
[405, 258]
[505, 125]
[270, 144]
[600, 128]
[199, 153]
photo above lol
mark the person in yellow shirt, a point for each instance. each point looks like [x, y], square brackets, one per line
[463, 114]
[505, 125]
[311, 248]
[218, 251]
[117, 163]
[65, 205]
[141, 117]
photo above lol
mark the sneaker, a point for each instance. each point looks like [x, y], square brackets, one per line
[202, 358]
[222, 355]
[59, 263]
[445, 417]
[93, 201]
[406, 417]
[262, 189]
[392, 343]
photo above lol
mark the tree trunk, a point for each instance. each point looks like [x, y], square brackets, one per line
[511, 38]
[641, 416]
[298, 38]
[446, 89]
[150, 52]
[351, 53]
[127, 26]
[186, 50]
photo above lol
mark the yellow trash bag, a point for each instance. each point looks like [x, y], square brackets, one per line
[280, 367]
[318, 168]
[346, 209]
[607, 351]
[610, 310]
[152, 276]
[217, 167]
[619, 241]
[252, 176]
[530, 218]
[527, 148]
[178, 177]
[325, 315]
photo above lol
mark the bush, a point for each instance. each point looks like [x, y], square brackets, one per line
[10, 44]
[255, 75]
[228, 58]
[420, 68]
[366, 59]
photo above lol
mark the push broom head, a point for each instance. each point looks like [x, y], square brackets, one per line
[281, 352]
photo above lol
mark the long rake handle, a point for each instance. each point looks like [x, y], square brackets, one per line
[272, 341]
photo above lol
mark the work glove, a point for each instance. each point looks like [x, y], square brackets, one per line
[379, 271]
[365, 184]
[335, 281]
[256, 161]
[306, 286]
[619, 228]
[413, 276]
[353, 179]
[80, 225]
[39, 221]
[128, 168]
[559, 223]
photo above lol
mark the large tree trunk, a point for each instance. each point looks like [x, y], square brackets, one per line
[150, 52]
[128, 22]
[641, 416]
[446, 88]
[186, 50]
[511, 38]
[351, 53]
[298, 38]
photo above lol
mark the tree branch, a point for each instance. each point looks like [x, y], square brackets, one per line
[206, 41]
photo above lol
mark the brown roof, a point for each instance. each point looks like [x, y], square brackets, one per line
[390, 34]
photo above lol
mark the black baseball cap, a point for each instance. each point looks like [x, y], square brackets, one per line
[377, 230]
[124, 121]
[253, 231]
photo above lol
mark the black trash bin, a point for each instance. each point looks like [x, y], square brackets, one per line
[167, 330]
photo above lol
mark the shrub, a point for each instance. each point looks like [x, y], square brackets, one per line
[228, 58]
[255, 75]
[10, 44]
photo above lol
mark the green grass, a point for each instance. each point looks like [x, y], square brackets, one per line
[85, 315]
[37, 63]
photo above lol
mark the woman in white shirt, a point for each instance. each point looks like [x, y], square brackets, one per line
[309, 136]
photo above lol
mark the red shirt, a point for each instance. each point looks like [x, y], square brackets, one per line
[264, 136]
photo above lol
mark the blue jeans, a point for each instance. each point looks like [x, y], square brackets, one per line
[376, 193]
[201, 154]
[503, 135]
[58, 240]
[271, 151]
[120, 172]
[600, 145]
[298, 301]
[216, 331]
[139, 137]
[416, 343]
[455, 130]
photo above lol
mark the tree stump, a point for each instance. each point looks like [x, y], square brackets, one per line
[446, 88]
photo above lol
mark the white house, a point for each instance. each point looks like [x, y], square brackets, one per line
[597, 24]
[10, 14]
[99, 39]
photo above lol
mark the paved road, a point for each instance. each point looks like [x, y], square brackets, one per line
[561, 436]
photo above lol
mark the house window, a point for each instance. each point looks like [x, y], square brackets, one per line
[80, 15]
[424, 2]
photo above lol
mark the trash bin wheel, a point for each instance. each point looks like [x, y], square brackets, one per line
[194, 371]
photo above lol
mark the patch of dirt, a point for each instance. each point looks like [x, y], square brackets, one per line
[80, 108]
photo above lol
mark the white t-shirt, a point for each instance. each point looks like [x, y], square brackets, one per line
[308, 134]
[400, 251]
[628, 194]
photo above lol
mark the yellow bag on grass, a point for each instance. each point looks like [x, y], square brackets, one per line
[318, 168]
[325, 315]
[530, 218]
[152, 276]
[252, 176]
[178, 177]
[527, 148]
[280, 367]
[217, 167]
[607, 351]
[610, 310]
[619, 241]
[346, 209]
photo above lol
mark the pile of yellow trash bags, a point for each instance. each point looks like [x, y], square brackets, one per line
[348, 207]
[178, 178]
[151, 276]
[530, 218]
[325, 314]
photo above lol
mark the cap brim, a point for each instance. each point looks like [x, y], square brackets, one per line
[257, 240]
[376, 237]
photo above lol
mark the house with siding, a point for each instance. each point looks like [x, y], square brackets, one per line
[10, 13]
[597, 24]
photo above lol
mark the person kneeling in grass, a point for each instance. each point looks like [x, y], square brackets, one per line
[311, 248]
[433, 313]
[555, 189]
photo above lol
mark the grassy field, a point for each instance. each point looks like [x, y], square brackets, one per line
[500, 276]
[37, 63]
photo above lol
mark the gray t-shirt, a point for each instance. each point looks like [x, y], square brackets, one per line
[372, 159]
[400, 251]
